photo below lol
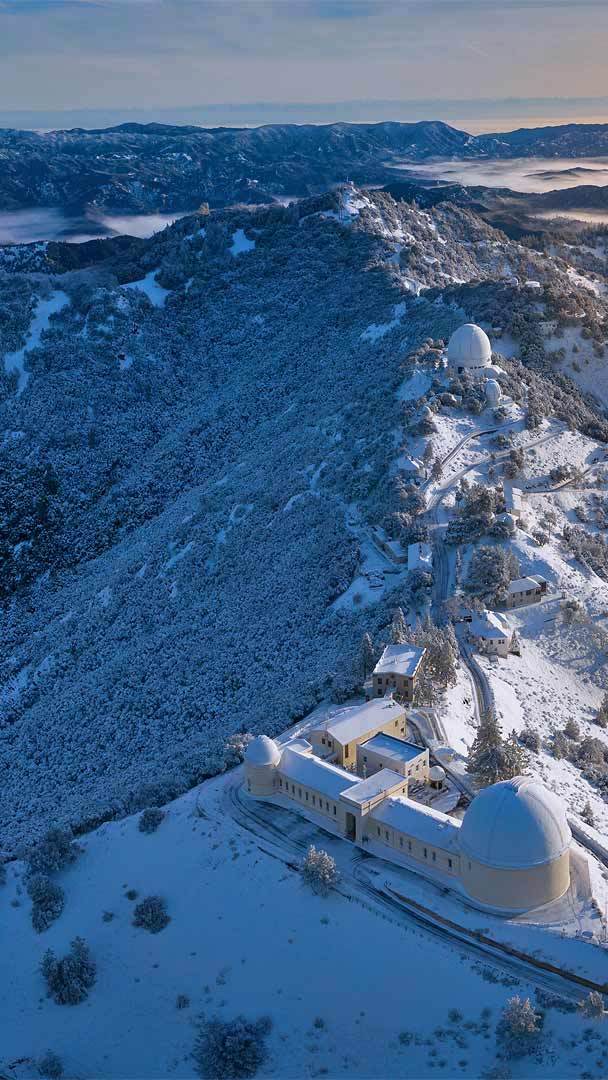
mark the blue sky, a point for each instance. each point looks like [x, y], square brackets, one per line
[173, 54]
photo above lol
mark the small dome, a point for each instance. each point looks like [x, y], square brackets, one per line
[262, 751]
[514, 825]
[493, 392]
[436, 773]
[469, 347]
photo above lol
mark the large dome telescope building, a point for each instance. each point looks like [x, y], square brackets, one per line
[515, 846]
[469, 349]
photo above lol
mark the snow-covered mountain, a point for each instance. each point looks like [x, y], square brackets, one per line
[199, 433]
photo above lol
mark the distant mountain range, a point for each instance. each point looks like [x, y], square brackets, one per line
[142, 168]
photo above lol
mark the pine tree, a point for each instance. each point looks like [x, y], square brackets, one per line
[587, 814]
[399, 632]
[602, 713]
[368, 656]
[486, 757]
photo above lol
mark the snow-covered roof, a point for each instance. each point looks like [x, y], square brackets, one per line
[469, 347]
[389, 746]
[313, 772]
[515, 824]
[262, 751]
[355, 720]
[490, 624]
[524, 584]
[372, 786]
[419, 554]
[418, 821]
[399, 660]
[513, 497]
[436, 773]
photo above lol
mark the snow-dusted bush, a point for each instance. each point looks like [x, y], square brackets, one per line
[592, 1006]
[530, 738]
[319, 870]
[150, 819]
[231, 1049]
[50, 1066]
[53, 852]
[572, 729]
[151, 914]
[519, 1027]
[492, 757]
[48, 900]
[587, 814]
[69, 979]
[601, 717]
[235, 747]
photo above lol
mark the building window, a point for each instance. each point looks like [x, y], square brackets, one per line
[409, 845]
[293, 789]
[378, 830]
[280, 782]
[365, 757]
[306, 793]
[346, 750]
[323, 740]
[299, 793]
[426, 854]
[450, 863]
[400, 841]
[327, 807]
[386, 835]
[334, 811]
[313, 801]
[434, 857]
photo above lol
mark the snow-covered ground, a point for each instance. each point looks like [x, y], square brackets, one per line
[149, 285]
[15, 361]
[351, 989]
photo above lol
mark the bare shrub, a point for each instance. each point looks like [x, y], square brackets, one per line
[48, 900]
[69, 979]
[319, 870]
[572, 729]
[150, 819]
[231, 1049]
[592, 1006]
[50, 1066]
[151, 914]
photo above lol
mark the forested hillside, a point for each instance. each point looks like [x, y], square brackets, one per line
[185, 444]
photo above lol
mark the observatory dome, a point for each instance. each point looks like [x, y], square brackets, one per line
[493, 392]
[514, 825]
[469, 348]
[262, 751]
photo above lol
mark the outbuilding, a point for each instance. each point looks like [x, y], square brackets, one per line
[491, 633]
[397, 670]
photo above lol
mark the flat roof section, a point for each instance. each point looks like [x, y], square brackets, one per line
[397, 749]
[419, 821]
[313, 772]
[399, 660]
[382, 782]
[354, 721]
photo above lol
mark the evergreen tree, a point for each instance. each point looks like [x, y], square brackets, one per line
[493, 758]
[368, 656]
[602, 713]
[399, 631]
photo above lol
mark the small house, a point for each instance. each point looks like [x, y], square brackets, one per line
[396, 671]
[420, 557]
[526, 590]
[491, 633]
[513, 501]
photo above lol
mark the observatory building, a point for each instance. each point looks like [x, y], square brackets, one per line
[509, 854]
[469, 350]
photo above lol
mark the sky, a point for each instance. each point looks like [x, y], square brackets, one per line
[252, 61]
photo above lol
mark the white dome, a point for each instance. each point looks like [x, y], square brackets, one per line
[469, 347]
[514, 825]
[493, 392]
[262, 751]
[436, 773]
